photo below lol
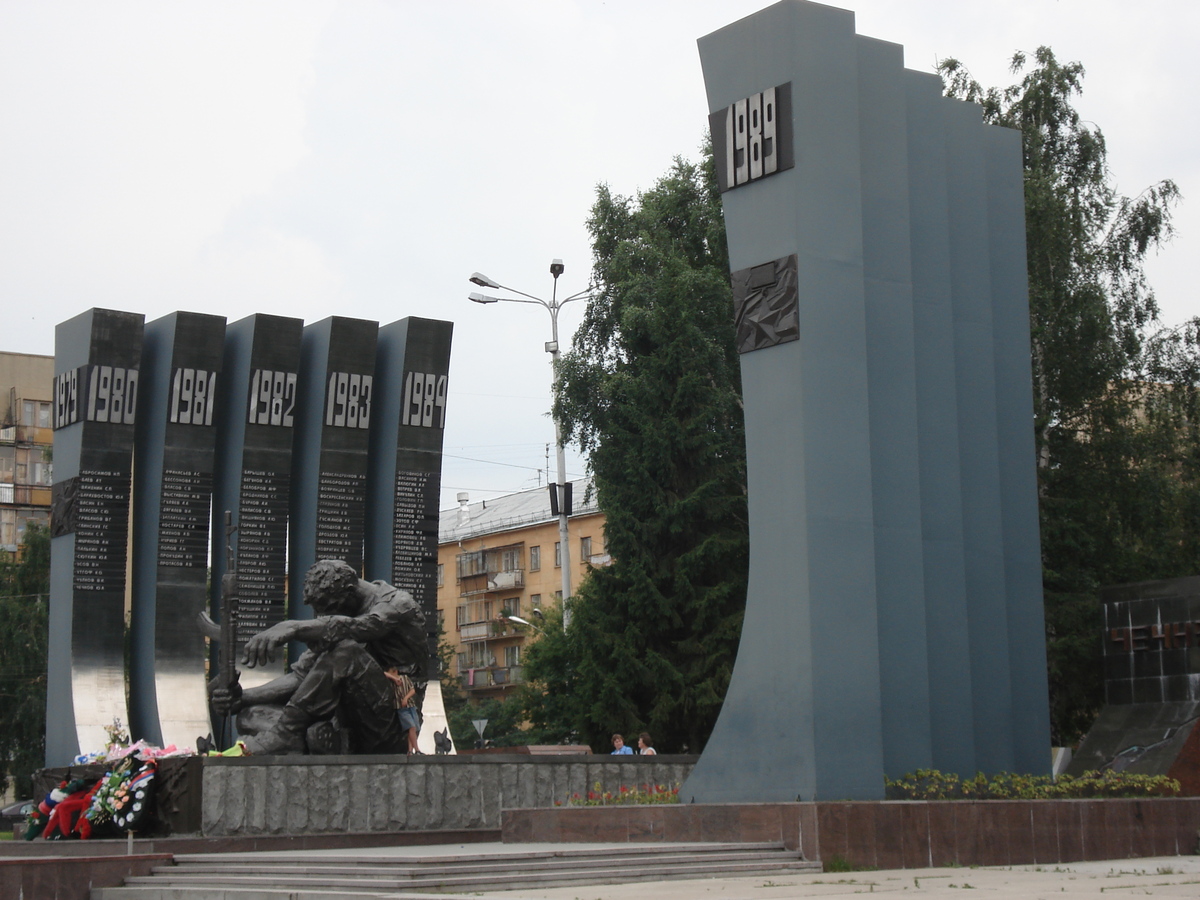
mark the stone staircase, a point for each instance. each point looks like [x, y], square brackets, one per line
[380, 874]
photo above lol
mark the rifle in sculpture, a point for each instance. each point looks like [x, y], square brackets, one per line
[224, 634]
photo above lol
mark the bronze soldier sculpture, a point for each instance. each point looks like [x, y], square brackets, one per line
[335, 698]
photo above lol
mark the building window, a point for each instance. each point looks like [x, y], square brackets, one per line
[510, 559]
[535, 602]
[41, 467]
[27, 417]
[557, 554]
[441, 582]
[558, 596]
[585, 549]
[469, 564]
[535, 559]
[43, 415]
[512, 655]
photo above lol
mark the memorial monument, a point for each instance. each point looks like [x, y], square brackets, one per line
[272, 423]
[876, 238]
[335, 699]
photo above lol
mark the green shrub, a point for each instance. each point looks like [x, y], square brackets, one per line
[930, 784]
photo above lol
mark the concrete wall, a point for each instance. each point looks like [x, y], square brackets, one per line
[306, 795]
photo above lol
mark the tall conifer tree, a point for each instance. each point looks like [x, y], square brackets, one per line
[651, 391]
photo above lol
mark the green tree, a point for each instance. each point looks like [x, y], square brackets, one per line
[24, 629]
[651, 392]
[505, 718]
[1114, 391]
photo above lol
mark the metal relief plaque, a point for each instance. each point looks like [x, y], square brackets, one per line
[752, 137]
[766, 304]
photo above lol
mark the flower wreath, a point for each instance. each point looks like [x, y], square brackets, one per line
[123, 796]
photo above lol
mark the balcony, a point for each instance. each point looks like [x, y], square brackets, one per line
[483, 631]
[25, 494]
[492, 677]
[491, 582]
[32, 434]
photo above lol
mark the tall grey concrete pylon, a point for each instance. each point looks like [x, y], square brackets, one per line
[336, 399]
[876, 238]
[256, 411]
[97, 358]
[174, 447]
[404, 474]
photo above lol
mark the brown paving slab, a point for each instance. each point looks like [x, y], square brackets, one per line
[1103, 834]
[943, 843]
[861, 837]
[1188, 824]
[1071, 844]
[1179, 822]
[914, 831]
[1092, 822]
[71, 878]
[647, 824]
[984, 827]
[966, 833]
[890, 836]
[1142, 829]
[680, 824]
[516, 826]
[719, 823]
[807, 825]
[593, 825]
[1122, 826]
[996, 846]
[789, 824]
[1043, 816]
[1018, 830]
[831, 831]
[760, 822]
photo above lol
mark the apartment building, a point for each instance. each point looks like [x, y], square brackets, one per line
[26, 439]
[499, 558]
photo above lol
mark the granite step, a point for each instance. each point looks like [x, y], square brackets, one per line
[309, 877]
[371, 868]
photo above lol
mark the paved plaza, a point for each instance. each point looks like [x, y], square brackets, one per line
[1167, 877]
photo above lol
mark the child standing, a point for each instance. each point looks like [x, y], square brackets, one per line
[406, 706]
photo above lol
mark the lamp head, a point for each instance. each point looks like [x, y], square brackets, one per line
[482, 280]
[482, 298]
[556, 267]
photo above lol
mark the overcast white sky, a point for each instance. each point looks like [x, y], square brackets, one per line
[363, 158]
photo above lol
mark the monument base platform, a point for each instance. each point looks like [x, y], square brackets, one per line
[904, 834]
[361, 795]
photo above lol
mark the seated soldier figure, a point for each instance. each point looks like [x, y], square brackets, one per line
[336, 697]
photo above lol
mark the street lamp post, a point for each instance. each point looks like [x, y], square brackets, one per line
[552, 307]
